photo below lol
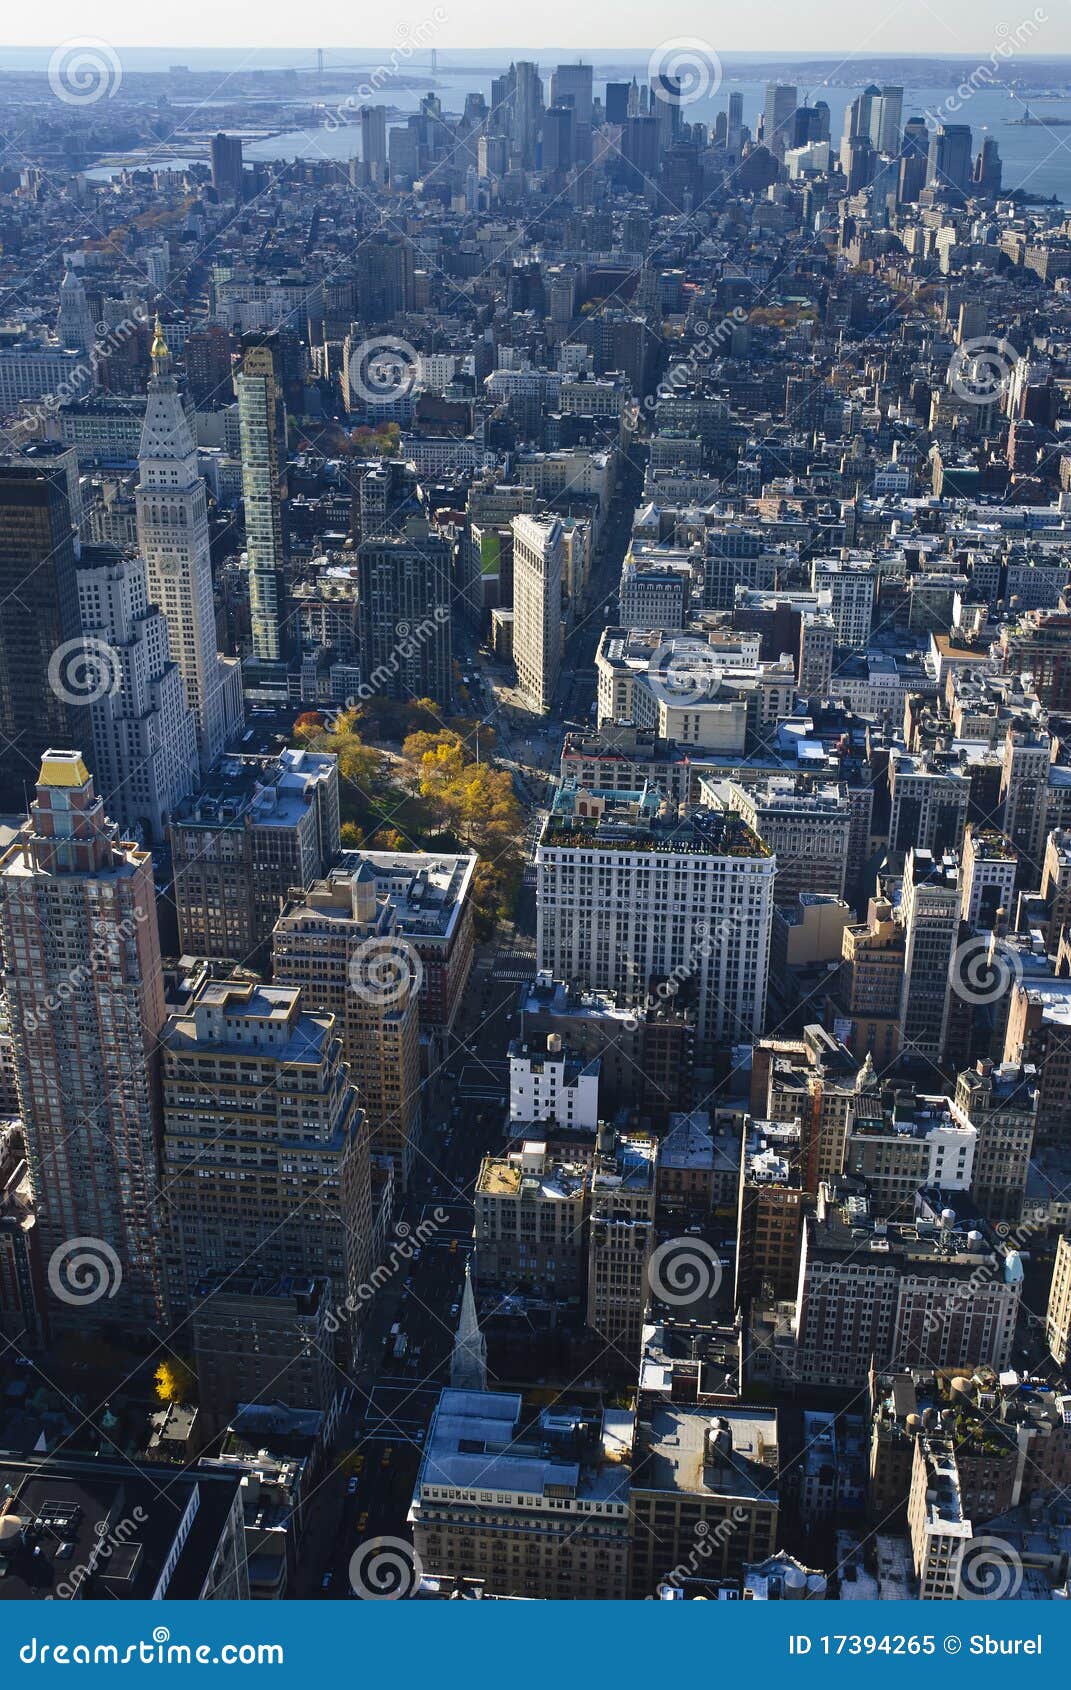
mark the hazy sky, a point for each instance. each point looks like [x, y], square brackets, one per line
[842, 26]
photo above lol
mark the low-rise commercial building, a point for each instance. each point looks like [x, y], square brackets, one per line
[536, 1508]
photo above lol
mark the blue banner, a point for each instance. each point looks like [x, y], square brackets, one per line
[478, 1646]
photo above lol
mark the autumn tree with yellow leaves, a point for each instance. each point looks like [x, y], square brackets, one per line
[173, 1380]
[478, 804]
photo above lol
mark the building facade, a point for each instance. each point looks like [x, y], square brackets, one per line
[265, 1145]
[172, 526]
[84, 987]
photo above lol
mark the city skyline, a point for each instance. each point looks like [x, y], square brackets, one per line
[535, 846]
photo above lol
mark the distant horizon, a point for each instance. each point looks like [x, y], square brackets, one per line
[845, 55]
[147, 56]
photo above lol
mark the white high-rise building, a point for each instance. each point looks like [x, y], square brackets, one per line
[553, 1084]
[172, 520]
[851, 588]
[537, 606]
[886, 120]
[631, 900]
[255, 386]
[144, 733]
[929, 905]
[74, 323]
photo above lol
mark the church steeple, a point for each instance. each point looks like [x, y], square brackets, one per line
[468, 1364]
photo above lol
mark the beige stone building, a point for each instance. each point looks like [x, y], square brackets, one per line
[531, 1221]
[265, 1152]
[1001, 1103]
[345, 951]
[871, 982]
[620, 1241]
[85, 1003]
[1058, 1314]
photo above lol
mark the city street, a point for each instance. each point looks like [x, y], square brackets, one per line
[379, 1451]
